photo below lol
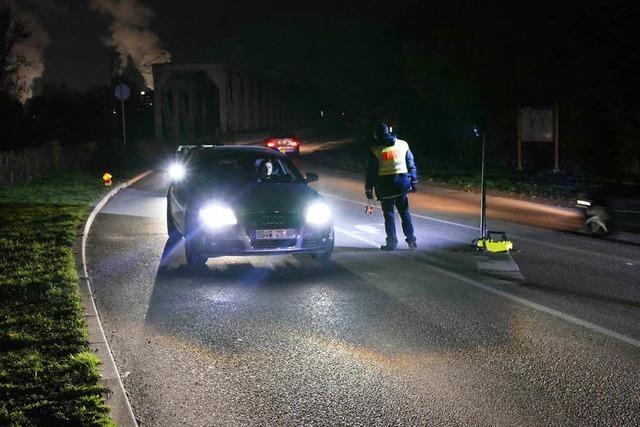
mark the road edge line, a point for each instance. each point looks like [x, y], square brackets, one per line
[425, 217]
[518, 300]
[117, 400]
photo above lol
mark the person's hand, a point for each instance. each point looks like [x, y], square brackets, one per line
[414, 187]
[369, 194]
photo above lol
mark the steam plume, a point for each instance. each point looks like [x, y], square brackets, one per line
[30, 52]
[130, 35]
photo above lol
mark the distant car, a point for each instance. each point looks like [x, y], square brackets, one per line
[240, 200]
[286, 144]
[611, 207]
[183, 150]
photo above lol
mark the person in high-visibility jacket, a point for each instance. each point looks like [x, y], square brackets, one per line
[391, 171]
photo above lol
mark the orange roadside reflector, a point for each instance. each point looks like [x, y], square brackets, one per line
[106, 178]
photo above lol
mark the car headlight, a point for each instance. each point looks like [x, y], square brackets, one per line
[176, 171]
[216, 216]
[318, 213]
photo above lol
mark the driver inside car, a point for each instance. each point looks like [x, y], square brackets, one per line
[265, 170]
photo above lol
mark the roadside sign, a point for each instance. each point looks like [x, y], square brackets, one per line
[122, 92]
[538, 125]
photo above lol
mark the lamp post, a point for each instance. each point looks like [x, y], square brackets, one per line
[483, 186]
[491, 241]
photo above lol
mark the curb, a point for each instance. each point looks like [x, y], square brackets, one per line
[116, 396]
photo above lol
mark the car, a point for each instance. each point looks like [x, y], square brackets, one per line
[246, 200]
[611, 206]
[286, 144]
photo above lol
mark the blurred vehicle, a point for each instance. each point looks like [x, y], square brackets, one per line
[240, 200]
[183, 150]
[611, 207]
[286, 144]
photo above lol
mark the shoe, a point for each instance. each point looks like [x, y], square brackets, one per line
[388, 247]
[412, 245]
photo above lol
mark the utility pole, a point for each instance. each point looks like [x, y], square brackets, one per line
[556, 137]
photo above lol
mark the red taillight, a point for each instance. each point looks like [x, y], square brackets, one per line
[294, 143]
[271, 144]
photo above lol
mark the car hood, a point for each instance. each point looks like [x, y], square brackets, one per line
[257, 197]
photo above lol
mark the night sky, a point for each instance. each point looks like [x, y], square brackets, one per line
[287, 34]
[440, 65]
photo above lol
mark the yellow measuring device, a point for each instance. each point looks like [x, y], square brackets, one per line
[496, 241]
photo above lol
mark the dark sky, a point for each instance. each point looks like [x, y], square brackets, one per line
[347, 40]
[77, 57]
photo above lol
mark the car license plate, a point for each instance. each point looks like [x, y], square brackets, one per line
[286, 233]
[283, 149]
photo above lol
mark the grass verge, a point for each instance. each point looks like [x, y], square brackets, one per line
[48, 376]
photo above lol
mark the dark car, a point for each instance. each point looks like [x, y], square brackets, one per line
[611, 207]
[246, 201]
[286, 144]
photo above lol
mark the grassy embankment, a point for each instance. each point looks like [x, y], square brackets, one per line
[48, 376]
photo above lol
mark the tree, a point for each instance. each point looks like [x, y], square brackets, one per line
[12, 32]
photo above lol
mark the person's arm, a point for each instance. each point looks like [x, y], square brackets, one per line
[371, 175]
[412, 170]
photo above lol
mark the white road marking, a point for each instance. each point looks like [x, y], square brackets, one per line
[518, 237]
[429, 218]
[366, 228]
[571, 249]
[514, 298]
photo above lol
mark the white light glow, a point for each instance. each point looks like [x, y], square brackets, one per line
[318, 213]
[584, 203]
[176, 171]
[217, 215]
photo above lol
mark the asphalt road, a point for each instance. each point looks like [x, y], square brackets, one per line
[437, 336]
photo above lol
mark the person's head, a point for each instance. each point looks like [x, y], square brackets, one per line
[381, 134]
[266, 169]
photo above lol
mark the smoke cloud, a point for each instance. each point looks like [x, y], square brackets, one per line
[130, 35]
[30, 52]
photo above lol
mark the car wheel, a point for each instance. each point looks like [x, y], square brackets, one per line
[597, 222]
[325, 255]
[172, 230]
[191, 250]
[194, 257]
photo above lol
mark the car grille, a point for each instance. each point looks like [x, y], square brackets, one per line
[224, 245]
[273, 244]
[272, 219]
[311, 241]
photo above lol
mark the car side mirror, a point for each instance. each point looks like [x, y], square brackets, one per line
[312, 177]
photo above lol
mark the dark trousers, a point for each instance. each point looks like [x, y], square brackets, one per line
[402, 204]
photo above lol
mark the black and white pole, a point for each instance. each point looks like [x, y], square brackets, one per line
[483, 184]
[483, 187]
[123, 92]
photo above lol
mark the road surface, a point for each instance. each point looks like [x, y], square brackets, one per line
[441, 335]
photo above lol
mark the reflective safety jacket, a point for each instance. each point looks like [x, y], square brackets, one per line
[391, 169]
[391, 159]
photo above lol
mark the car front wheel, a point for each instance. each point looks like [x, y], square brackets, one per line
[191, 249]
[172, 230]
[597, 221]
[324, 255]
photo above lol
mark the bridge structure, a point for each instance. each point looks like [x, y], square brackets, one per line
[207, 102]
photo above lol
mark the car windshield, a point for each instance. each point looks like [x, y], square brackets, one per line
[245, 169]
